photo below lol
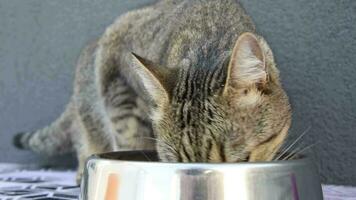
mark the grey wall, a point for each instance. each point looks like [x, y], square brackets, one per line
[314, 43]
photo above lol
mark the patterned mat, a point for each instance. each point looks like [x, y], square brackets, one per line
[334, 192]
[22, 183]
[17, 183]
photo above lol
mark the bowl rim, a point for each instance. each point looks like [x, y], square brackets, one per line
[97, 157]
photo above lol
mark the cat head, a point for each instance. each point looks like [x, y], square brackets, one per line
[232, 112]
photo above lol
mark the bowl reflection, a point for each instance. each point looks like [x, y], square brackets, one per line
[137, 175]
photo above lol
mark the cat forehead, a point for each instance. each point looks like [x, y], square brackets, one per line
[197, 84]
[197, 113]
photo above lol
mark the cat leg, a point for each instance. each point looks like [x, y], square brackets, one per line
[129, 117]
[97, 135]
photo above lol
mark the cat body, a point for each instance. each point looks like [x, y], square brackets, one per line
[191, 79]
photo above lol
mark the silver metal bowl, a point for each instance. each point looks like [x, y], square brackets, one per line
[136, 175]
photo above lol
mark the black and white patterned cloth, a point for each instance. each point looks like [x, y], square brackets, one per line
[17, 183]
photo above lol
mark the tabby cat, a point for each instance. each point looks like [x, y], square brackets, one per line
[191, 78]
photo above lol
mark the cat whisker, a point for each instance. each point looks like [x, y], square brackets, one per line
[292, 152]
[150, 138]
[144, 154]
[300, 151]
[286, 157]
[291, 145]
[162, 142]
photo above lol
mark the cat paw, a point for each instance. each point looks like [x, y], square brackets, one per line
[79, 177]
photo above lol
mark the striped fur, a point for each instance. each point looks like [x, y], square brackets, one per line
[183, 77]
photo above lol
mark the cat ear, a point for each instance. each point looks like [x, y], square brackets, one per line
[247, 63]
[154, 79]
